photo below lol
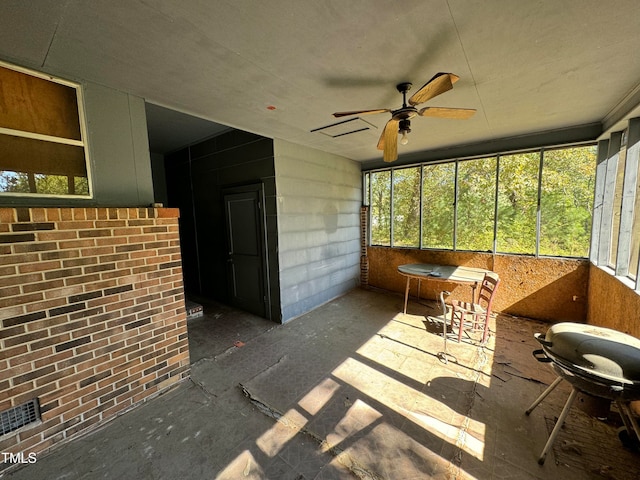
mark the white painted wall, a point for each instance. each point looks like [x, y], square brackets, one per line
[318, 203]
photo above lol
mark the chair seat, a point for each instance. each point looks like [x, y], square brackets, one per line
[468, 307]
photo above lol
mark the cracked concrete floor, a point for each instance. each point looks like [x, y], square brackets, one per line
[353, 389]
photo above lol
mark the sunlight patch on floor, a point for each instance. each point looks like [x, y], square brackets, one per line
[273, 440]
[319, 396]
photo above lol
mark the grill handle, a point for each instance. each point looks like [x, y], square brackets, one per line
[541, 356]
[540, 338]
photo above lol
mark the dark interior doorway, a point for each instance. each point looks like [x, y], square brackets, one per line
[246, 258]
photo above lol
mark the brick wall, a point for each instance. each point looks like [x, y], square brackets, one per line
[92, 317]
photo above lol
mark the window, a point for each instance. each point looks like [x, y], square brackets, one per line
[438, 198]
[406, 207]
[568, 182]
[42, 147]
[476, 204]
[616, 227]
[534, 203]
[380, 189]
[517, 203]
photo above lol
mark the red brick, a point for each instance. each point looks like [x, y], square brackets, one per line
[87, 252]
[20, 300]
[10, 270]
[52, 214]
[79, 214]
[38, 215]
[54, 236]
[82, 279]
[81, 243]
[48, 356]
[7, 215]
[91, 213]
[64, 292]
[76, 262]
[167, 213]
[16, 259]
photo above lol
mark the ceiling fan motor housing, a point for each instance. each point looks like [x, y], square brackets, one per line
[405, 126]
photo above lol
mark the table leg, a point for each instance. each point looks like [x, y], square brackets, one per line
[406, 295]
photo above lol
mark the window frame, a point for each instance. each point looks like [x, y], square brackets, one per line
[456, 161]
[611, 230]
[83, 142]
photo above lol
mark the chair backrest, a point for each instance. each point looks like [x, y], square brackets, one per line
[488, 290]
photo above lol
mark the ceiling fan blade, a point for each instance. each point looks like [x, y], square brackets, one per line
[360, 112]
[442, 112]
[388, 142]
[440, 83]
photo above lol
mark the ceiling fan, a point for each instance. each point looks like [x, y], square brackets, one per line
[400, 122]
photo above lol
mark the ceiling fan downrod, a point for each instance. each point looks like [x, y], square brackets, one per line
[403, 88]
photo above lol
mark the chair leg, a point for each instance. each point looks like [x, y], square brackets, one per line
[460, 325]
[485, 332]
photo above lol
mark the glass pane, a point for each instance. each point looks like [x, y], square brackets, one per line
[28, 165]
[635, 229]
[14, 182]
[617, 207]
[476, 194]
[406, 207]
[566, 201]
[517, 203]
[81, 185]
[438, 196]
[381, 208]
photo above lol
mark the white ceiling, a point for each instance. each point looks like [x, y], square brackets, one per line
[527, 67]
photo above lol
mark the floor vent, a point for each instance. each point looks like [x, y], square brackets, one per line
[18, 417]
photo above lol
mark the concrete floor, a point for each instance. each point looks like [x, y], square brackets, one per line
[353, 389]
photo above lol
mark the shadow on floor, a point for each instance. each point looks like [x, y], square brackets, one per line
[354, 389]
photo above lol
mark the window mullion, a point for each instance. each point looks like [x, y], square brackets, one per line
[455, 206]
[539, 205]
[495, 206]
[420, 220]
[391, 215]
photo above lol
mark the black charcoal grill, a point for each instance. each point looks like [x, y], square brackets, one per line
[597, 361]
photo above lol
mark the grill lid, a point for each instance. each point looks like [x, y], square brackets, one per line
[600, 351]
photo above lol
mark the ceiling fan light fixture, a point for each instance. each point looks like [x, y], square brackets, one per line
[405, 127]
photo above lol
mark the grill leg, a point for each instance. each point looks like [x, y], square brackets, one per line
[544, 395]
[556, 428]
[628, 419]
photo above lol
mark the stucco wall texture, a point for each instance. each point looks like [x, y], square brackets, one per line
[612, 304]
[547, 289]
